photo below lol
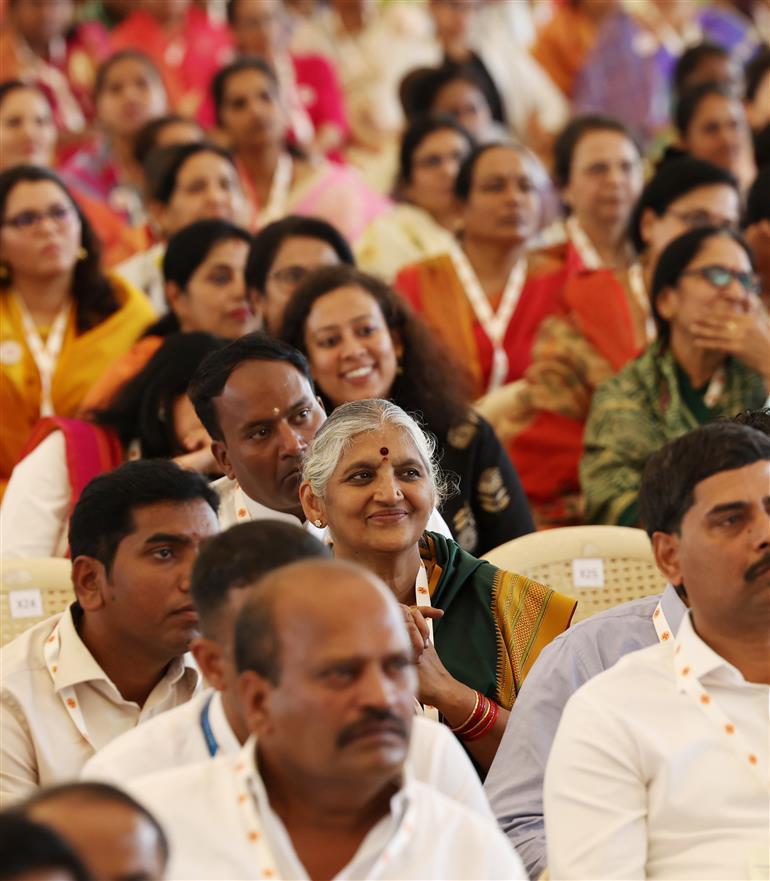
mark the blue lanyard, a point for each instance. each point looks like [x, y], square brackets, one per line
[208, 734]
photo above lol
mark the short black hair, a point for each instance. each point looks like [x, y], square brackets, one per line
[268, 241]
[93, 791]
[246, 62]
[163, 165]
[574, 132]
[146, 139]
[192, 244]
[123, 55]
[689, 61]
[758, 419]
[758, 199]
[240, 556]
[211, 377]
[142, 409]
[672, 473]
[671, 181]
[28, 848]
[420, 88]
[675, 259]
[103, 515]
[257, 646]
[416, 132]
[755, 71]
[689, 101]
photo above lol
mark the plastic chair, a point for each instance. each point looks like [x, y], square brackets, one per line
[600, 566]
[32, 590]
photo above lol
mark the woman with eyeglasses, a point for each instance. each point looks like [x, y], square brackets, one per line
[711, 359]
[282, 254]
[62, 321]
[423, 221]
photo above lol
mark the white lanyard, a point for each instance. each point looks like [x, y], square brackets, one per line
[715, 387]
[590, 258]
[241, 509]
[662, 627]
[277, 201]
[494, 324]
[301, 123]
[695, 689]
[45, 355]
[422, 598]
[265, 864]
[51, 653]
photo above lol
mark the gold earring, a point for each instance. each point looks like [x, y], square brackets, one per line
[82, 253]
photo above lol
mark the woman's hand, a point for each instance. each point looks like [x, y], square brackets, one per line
[415, 618]
[745, 336]
[198, 456]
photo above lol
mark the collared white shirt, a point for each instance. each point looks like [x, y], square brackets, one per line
[643, 781]
[235, 507]
[39, 741]
[177, 738]
[427, 835]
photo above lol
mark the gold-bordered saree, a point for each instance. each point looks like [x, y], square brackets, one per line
[495, 622]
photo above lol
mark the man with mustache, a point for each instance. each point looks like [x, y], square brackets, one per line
[660, 765]
[321, 790]
[256, 399]
[117, 656]
[212, 723]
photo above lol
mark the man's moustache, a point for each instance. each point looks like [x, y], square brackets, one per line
[758, 568]
[362, 726]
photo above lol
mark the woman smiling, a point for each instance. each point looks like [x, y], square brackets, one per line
[363, 341]
[711, 359]
[370, 474]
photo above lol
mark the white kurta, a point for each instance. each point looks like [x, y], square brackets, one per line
[177, 738]
[40, 743]
[221, 825]
[660, 769]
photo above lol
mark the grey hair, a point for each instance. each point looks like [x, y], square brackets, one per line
[359, 417]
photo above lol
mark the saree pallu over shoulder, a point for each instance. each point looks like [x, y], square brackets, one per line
[495, 622]
[91, 450]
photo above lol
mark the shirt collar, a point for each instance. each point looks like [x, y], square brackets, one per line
[224, 735]
[258, 511]
[248, 755]
[76, 663]
[673, 607]
[695, 653]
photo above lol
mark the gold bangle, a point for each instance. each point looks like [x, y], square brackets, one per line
[459, 728]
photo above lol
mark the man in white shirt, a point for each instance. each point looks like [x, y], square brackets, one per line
[256, 399]
[115, 837]
[212, 723]
[660, 765]
[327, 684]
[116, 657]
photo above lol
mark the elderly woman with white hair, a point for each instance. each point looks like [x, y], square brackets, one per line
[371, 476]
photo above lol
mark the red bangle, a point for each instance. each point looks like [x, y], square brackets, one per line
[486, 725]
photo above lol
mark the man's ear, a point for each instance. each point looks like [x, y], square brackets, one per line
[219, 451]
[89, 579]
[312, 506]
[321, 403]
[209, 657]
[646, 224]
[665, 547]
[253, 693]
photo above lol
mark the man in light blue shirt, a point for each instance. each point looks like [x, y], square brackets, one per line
[514, 784]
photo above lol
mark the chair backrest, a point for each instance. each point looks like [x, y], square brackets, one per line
[32, 590]
[600, 566]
